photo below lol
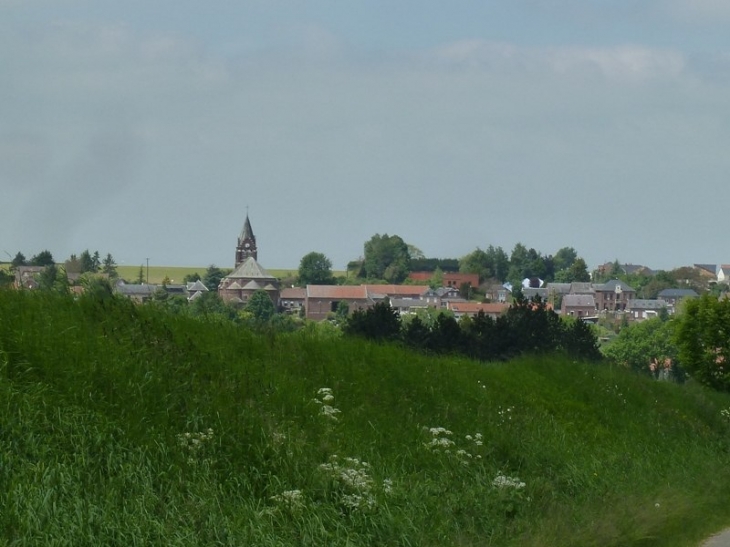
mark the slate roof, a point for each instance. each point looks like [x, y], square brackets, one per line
[579, 301]
[559, 288]
[581, 287]
[197, 286]
[250, 269]
[677, 293]
[247, 232]
[610, 286]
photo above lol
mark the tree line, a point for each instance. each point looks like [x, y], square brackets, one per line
[528, 327]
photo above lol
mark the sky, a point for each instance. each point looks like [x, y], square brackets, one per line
[150, 129]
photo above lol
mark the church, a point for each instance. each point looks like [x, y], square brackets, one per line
[248, 276]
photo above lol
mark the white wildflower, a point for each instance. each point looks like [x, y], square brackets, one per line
[503, 481]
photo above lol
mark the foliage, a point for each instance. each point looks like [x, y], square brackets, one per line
[191, 278]
[18, 260]
[53, 278]
[140, 275]
[643, 345]
[125, 424]
[528, 327]
[379, 323]
[109, 266]
[212, 277]
[315, 269]
[44, 258]
[386, 257]
[433, 264]
[260, 306]
[703, 341]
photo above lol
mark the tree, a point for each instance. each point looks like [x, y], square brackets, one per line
[212, 277]
[703, 341]
[19, 260]
[73, 265]
[476, 262]
[52, 278]
[87, 262]
[44, 258]
[386, 257]
[315, 269]
[140, 275]
[261, 306]
[380, 323]
[191, 278]
[564, 258]
[578, 271]
[642, 344]
[109, 266]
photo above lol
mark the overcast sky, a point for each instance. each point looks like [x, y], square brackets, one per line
[147, 128]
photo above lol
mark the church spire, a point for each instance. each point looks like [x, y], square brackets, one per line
[246, 246]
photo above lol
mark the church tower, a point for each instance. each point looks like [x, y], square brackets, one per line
[246, 244]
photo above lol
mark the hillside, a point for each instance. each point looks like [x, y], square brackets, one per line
[125, 425]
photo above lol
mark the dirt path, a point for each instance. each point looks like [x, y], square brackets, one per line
[721, 539]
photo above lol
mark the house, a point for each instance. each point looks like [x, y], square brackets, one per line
[456, 280]
[26, 276]
[291, 299]
[723, 273]
[578, 305]
[195, 289]
[613, 295]
[640, 309]
[138, 293]
[497, 293]
[673, 296]
[248, 275]
[471, 309]
[321, 300]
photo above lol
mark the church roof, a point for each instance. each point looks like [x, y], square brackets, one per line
[247, 232]
[252, 286]
[250, 269]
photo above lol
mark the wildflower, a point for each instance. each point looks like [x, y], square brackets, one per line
[503, 481]
[387, 486]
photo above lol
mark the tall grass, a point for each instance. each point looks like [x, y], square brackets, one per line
[122, 424]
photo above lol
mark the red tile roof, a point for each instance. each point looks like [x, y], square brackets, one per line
[337, 292]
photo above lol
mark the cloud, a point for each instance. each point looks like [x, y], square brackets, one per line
[698, 11]
[613, 63]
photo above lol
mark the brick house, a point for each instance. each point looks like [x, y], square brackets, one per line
[578, 305]
[613, 296]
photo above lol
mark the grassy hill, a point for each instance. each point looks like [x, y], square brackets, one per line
[121, 424]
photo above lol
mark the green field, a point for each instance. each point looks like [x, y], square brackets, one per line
[177, 273]
[123, 424]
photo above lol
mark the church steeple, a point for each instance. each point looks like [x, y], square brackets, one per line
[246, 246]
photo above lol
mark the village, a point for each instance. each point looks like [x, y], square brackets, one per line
[587, 300]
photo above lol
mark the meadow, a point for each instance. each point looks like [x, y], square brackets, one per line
[126, 425]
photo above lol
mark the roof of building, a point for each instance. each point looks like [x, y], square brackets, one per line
[581, 287]
[397, 290]
[476, 307]
[293, 293]
[197, 286]
[337, 292]
[559, 288]
[579, 301]
[250, 269]
[612, 286]
[643, 304]
[677, 293]
[247, 232]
